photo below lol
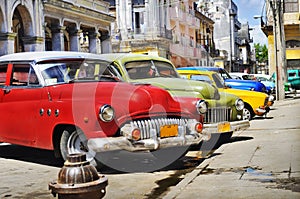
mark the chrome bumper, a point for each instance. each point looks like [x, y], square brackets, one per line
[154, 143]
[234, 126]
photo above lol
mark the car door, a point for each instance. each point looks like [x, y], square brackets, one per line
[19, 106]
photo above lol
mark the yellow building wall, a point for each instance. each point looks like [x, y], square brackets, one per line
[271, 54]
[292, 54]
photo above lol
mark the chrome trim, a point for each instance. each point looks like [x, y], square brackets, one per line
[234, 126]
[148, 127]
[150, 136]
[217, 114]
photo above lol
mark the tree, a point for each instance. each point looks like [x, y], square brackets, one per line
[261, 53]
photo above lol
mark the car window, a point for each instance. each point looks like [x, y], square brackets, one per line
[224, 74]
[218, 80]
[20, 75]
[3, 69]
[79, 71]
[33, 78]
[292, 74]
[203, 78]
[165, 69]
[150, 69]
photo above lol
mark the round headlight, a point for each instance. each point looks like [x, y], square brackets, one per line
[271, 98]
[239, 104]
[201, 106]
[106, 113]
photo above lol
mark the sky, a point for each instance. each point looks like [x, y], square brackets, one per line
[246, 10]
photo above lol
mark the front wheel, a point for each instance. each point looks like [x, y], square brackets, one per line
[247, 114]
[74, 141]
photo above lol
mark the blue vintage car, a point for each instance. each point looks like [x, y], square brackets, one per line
[230, 82]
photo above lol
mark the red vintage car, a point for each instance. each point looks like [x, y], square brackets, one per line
[54, 100]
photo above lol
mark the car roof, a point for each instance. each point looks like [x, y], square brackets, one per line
[45, 55]
[206, 72]
[207, 68]
[125, 57]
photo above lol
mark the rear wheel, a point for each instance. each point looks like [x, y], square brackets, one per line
[74, 141]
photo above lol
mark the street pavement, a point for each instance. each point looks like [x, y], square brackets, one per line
[261, 162]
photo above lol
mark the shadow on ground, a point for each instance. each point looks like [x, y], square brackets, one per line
[129, 163]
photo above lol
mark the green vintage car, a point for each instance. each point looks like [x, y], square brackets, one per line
[225, 110]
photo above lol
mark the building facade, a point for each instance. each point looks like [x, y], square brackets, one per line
[247, 58]
[289, 22]
[226, 27]
[169, 28]
[63, 25]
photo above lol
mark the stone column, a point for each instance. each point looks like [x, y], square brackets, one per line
[106, 46]
[74, 39]
[94, 42]
[33, 44]
[7, 41]
[58, 38]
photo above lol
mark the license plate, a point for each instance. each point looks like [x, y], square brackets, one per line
[169, 130]
[224, 127]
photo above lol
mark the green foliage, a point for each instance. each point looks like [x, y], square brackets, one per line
[261, 53]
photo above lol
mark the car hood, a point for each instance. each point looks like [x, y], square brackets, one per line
[244, 93]
[243, 82]
[128, 100]
[183, 87]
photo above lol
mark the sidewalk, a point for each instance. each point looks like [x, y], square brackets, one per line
[261, 162]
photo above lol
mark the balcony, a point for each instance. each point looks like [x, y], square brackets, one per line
[177, 14]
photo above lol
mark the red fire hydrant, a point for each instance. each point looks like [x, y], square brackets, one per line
[78, 179]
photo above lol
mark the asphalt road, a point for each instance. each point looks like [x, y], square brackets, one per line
[251, 162]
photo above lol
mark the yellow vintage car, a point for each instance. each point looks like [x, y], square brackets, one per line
[256, 103]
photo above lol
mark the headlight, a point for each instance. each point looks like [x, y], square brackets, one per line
[271, 98]
[239, 104]
[106, 113]
[201, 106]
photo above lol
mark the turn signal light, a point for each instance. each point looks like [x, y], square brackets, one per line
[198, 127]
[136, 134]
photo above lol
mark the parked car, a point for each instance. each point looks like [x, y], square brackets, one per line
[64, 101]
[242, 76]
[222, 108]
[256, 103]
[234, 83]
[267, 80]
[245, 76]
[294, 78]
[292, 84]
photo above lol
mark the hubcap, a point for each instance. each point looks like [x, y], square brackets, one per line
[246, 114]
[78, 145]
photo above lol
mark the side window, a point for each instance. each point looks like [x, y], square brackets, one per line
[33, 79]
[20, 75]
[3, 69]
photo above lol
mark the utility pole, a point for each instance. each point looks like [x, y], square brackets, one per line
[279, 46]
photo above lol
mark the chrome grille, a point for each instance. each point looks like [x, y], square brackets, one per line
[217, 114]
[146, 125]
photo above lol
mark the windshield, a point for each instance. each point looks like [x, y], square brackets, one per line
[77, 71]
[224, 74]
[220, 83]
[150, 69]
